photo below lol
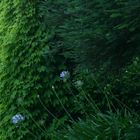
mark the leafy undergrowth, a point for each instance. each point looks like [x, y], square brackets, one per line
[62, 62]
[103, 127]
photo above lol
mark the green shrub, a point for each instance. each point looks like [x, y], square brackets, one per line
[127, 86]
[30, 75]
[99, 36]
[40, 39]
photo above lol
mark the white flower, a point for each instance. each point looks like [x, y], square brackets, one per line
[52, 87]
[137, 101]
[79, 83]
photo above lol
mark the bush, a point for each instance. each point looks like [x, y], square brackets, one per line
[103, 41]
[40, 39]
[29, 76]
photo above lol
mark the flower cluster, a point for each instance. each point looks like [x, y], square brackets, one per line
[17, 118]
[64, 75]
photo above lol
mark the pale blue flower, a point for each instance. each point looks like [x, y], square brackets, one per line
[64, 75]
[17, 118]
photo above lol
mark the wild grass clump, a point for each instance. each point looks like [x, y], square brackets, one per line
[103, 127]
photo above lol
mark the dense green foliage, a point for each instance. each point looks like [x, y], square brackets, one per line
[97, 42]
[103, 127]
[104, 42]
